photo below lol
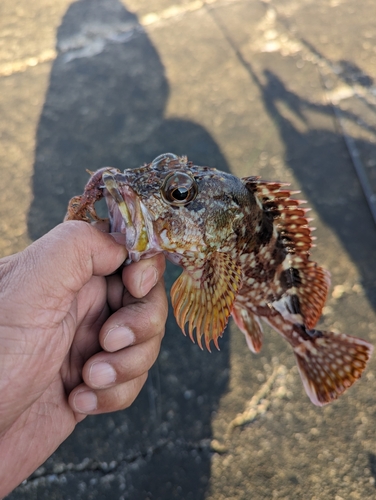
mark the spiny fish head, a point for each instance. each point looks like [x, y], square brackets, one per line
[185, 208]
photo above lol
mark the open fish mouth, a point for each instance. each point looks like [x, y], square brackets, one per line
[126, 214]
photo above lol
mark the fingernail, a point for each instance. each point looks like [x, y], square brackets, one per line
[102, 374]
[149, 279]
[118, 338]
[85, 401]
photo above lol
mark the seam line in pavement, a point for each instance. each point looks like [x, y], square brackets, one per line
[95, 43]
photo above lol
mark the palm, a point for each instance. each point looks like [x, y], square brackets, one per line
[84, 320]
[56, 311]
[50, 418]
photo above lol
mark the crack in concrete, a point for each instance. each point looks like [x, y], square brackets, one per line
[56, 471]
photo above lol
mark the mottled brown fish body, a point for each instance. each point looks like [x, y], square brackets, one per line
[244, 248]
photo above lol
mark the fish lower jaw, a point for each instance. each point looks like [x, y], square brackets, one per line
[143, 243]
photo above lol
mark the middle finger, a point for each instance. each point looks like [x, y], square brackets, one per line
[137, 321]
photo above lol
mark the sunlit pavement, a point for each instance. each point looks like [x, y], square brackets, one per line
[284, 90]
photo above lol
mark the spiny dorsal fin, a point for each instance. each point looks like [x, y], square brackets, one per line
[287, 213]
[309, 282]
[204, 298]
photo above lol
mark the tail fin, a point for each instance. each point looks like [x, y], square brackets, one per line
[330, 363]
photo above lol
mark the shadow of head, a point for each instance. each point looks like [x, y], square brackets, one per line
[104, 106]
[107, 92]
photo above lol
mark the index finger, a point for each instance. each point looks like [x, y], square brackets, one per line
[140, 277]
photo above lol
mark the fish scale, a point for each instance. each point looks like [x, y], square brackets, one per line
[244, 248]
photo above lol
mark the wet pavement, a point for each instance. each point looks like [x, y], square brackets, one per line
[285, 90]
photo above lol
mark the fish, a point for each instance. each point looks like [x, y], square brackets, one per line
[244, 246]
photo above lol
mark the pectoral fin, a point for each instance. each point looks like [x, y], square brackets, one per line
[204, 297]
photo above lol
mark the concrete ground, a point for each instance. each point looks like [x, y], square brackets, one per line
[285, 90]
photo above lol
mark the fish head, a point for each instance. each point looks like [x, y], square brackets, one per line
[176, 207]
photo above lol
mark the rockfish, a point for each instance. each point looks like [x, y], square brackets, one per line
[244, 247]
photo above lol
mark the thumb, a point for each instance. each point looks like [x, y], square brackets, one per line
[49, 273]
[71, 253]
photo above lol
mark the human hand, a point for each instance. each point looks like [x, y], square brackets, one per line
[72, 342]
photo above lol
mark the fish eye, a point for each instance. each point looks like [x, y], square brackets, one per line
[179, 189]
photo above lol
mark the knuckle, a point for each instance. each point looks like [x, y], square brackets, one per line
[151, 316]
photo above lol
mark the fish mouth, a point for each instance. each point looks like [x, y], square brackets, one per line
[126, 215]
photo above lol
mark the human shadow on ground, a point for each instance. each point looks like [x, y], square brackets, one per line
[321, 163]
[105, 106]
